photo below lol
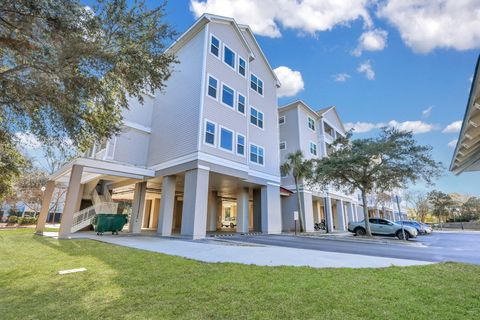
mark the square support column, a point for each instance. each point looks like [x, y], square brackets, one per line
[195, 201]
[340, 216]
[328, 214]
[271, 209]
[306, 202]
[242, 210]
[167, 205]
[350, 213]
[213, 210]
[257, 210]
[71, 201]
[140, 191]
[47, 198]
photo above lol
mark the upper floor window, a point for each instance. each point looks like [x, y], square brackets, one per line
[313, 148]
[281, 120]
[241, 103]
[240, 144]
[214, 46]
[227, 95]
[226, 139]
[212, 87]
[283, 145]
[256, 117]
[311, 123]
[242, 66]
[210, 133]
[256, 84]
[256, 154]
[229, 56]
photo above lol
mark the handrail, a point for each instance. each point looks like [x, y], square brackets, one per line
[88, 213]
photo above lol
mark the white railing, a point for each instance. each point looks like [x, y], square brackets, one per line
[84, 217]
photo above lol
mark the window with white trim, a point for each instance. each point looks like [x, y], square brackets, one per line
[228, 95]
[256, 117]
[226, 139]
[240, 144]
[214, 46]
[313, 148]
[256, 84]
[241, 103]
[256, 154]
[210, 133]
[311, 123]
[242, 66]
[212, 87]
[281, 120]
[283, 145]
[229, 56]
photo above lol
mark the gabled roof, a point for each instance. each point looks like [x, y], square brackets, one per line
[206, 18]
[333, 109]
[319, 113]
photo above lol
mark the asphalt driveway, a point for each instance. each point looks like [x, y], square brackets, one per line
[438, 247]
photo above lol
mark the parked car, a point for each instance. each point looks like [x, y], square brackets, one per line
[382, 227]
[428, 227]
[421, 228]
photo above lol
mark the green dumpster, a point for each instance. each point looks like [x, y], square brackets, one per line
[105, 222]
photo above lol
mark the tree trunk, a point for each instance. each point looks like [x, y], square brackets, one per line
[299, 204]
[365, 211]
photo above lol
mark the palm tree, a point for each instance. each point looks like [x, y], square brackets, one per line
[300, 168]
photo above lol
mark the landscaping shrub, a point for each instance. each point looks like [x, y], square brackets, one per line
[12, 219]
[27, 220]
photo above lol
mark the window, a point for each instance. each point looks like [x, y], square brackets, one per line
[212, 87]
[241, 103]
[226, 139]
[313, 148]
[227, 95]
[329, 130]
[214, 46]
[256, 154]
[283, 145]
[281, 120]
[229, 57]
[256, 117]
[256, 84]
[210, 133]
[242, 66]
[240, 144]
[311, 123]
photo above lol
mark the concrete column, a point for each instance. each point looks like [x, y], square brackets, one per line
[47, 198]
[350, 214]
[271, 209]
[212, 213]
[195, 200]
[340, 216]
[138, 207]
[328, 214]
[167, 204]
[155, 213]
[71, 201]
[316, 211]
[355, 213]
[307, 205]
[242, 210]
[257, 210]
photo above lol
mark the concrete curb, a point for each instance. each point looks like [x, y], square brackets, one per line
[363, 240]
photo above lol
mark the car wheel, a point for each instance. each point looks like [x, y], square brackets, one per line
[360, 232]
[400, 235]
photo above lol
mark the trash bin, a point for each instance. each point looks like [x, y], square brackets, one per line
[104, 222]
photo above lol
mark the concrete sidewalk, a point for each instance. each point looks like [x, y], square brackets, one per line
[236, 252]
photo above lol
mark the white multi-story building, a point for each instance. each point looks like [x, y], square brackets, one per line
[197, 157]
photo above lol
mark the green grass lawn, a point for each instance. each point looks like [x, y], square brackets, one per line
[122, 283]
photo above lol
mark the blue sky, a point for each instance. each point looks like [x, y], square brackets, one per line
[417, 56]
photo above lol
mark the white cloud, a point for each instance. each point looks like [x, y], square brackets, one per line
[470, 79]
[453, 127]
[27, 140]
[427, 112]
[372, 40]
[366, 68]
[291, 82]
[426, 25]
[453, 143]
[266, 16]
[341, 77]
[416, 126]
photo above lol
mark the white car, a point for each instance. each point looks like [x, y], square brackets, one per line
[382, 227]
